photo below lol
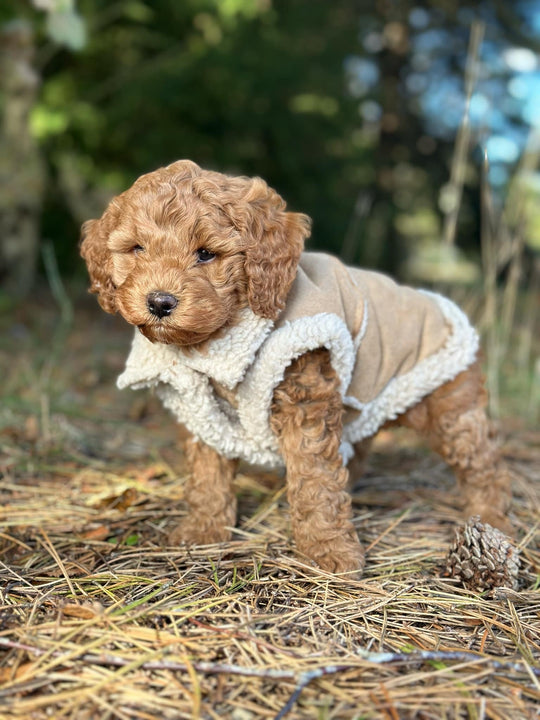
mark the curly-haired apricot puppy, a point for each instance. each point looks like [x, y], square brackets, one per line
[282, 357]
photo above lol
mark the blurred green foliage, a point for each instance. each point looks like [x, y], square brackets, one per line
[241, 86]
[257, 87]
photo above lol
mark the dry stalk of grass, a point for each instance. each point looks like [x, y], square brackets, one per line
[462, 147]
[510, 333]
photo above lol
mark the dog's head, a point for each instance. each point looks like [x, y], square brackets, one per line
[184, 249]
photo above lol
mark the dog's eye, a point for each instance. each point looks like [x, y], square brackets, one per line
[137, 249]
[204, 256]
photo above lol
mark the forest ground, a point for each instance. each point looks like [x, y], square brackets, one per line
[100, 618]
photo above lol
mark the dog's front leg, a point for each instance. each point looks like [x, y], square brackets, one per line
[209, 497]
[307, 420]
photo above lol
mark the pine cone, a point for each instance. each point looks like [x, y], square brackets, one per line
[482, 557]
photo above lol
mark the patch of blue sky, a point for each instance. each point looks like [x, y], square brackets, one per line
[479, 107]
[530, 11]
[419, 17]
[506, 100]
[363, 75]
[531, 110]
[512, 107]
[524, 90]
[491, 58]
[498, 175]
[491, 109]
[443, 107]
[497, 121]
[519, 87]
[520, 59]
[432, 40]
[416, 83]
[502, 149]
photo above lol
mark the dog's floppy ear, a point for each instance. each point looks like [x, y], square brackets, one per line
[93, 246]
[274, 242]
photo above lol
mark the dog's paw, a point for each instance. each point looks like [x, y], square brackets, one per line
[493, 516]
[342, 555]
[198, 532]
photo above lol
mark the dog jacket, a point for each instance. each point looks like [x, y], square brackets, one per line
[389, 344]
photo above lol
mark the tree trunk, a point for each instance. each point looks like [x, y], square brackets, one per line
[21, 168]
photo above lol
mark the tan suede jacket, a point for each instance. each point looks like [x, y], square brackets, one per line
[390, 345]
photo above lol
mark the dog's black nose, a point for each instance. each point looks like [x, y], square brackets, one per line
[161, 304]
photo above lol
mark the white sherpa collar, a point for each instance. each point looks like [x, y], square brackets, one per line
[225, 360]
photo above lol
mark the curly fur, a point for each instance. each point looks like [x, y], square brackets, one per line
[148, 236]
[307, 419]
[149, 240]
[212, 503]
[454, 422]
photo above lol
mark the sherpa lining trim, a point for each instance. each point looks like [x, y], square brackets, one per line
[226, 359]
[246, 432]
[282, 347]
[402, 392]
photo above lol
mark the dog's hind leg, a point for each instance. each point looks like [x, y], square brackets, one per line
[357, 464]
[454, 420]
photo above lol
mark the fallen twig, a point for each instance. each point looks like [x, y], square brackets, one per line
[380, 658]
[302, 679]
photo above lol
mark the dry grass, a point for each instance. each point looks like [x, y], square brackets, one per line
[100, 619]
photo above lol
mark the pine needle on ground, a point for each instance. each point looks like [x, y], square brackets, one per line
[100, 618]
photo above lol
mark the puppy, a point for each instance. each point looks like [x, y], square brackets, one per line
[282, 357]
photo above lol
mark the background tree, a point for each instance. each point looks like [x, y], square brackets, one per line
[350, 109]
[21, 168]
